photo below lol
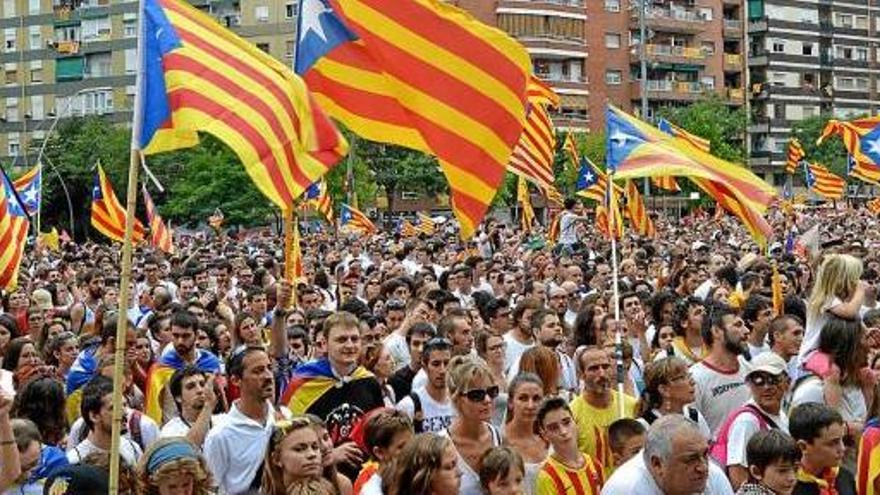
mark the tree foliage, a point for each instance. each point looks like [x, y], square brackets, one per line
[831, 153]
[395, 169]
[712, 119]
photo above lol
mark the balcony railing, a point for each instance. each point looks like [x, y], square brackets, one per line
[674, 14]
[733, 24]
[67, 47]
[733, 59]
[546, 76]
[675, 51]
[682, 87]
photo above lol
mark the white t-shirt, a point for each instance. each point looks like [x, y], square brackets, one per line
[149, 430]
[741, 430]
[470, 480]
[399, 350]
[633, 477]
[718, 393]
[852, 406]
[813, 328]
[177, 427]
[129, 451]
[567, 231]
[437, 416]
[373, 486]
[514, 350]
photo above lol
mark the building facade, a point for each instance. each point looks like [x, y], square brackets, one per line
[64, 58]
[806, 59]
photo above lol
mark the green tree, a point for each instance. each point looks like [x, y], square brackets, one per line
[712, 119]
[831, 153]
[395, 169]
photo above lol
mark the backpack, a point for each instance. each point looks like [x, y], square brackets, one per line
[718, 450]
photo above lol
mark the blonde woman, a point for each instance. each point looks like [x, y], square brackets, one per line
[426, 465]
[473, 392]
[293, 455]
[173, 466]
[837, 291]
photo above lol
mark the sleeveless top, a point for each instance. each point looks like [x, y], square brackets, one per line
[470, 480]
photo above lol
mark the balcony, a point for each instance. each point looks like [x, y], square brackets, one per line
[561, 6]
[554, 47]
[733, 28]
[564, 81]
[671, 90]
[67, 47]
[733, 62]
[736, 95]
[670, 20]
[671, 54]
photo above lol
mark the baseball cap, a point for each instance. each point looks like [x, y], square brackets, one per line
[767, 362]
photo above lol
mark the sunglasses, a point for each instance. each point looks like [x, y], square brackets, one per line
[480, 394]
[761, 380]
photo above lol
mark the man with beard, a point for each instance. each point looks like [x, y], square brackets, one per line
[598, 405]
[548, 333]
[336, 388]
[520, 338]
[182, 352]
[82, 314]
[720, 377]
[193, 393]
[97, 407]
[234, 449]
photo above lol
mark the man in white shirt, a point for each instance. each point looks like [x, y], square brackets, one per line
[429, 406]
[674, 460]
[568, 222]
[234, 450]
[768, 382]
[417, 310]
[520, 338]
[97, 412]
[720, 377]
[193, 394]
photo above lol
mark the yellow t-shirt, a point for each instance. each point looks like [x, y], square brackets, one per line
[593, 426]
[555, 478]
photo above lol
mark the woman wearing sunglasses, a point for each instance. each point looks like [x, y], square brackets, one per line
[472, 390]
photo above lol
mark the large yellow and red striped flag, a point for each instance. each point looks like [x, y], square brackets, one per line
[160, 235]
[14, 226]
[571, 150]
[201, 77]
[553, 229]
[636, 211]
[425, 75]
[525, 201]
[608, 216]
[851, 133]
[108, 215]
[821, 181]
[407, 229]
[533, 155]
[862, 170]
[425, 223]
[795, 155]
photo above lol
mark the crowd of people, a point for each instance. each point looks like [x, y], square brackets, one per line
[431, 365]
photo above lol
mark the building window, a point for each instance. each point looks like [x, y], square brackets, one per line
[261, 12]
[96, 29]
[131, 61]
[98, 65]
[708, 82]
[36, 39]
[264, 47]
[778, 46]
[807, 49]
[862, 54]
[289, 10]
[861, 22]
[612, 40]
[861, 83]
[808, 112]
[9, 36]
[12, 110]
[8, 8]
[705, 13]
[612, 5]
[96, 101]
[129, 29]
[613, 77]
[288, 48]
[845, 83]
[845, 20]
[14, 146]
[708, 47]
[843, 52]
[33, 7]
[36, 75]
[37, 107]
[11, 76]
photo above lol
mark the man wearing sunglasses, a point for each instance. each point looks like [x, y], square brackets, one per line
[768, 381]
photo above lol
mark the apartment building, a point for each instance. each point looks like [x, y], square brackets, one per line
[555, 34]
[64, 58]
[806, 59]
[692, 48]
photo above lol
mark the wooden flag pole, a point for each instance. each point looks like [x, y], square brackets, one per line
[290, 239]
[125, 276]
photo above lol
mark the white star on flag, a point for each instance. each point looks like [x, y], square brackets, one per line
[311, 18]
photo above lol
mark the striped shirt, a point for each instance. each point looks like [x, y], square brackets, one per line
[555, 478]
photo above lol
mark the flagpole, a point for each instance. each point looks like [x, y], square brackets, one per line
[290, 219]
[618, 337]
[125, 276]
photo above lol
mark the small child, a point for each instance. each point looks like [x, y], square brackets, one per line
[773, 458]
[502, 471]
[556, 425]
[626, 437]
[386, 431]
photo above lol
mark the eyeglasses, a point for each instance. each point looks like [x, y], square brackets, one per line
[480, 394]
[762, 380]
